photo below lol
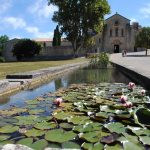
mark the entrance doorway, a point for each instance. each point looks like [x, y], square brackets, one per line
[116, 48]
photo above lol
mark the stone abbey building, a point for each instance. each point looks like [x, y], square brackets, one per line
[118, 34]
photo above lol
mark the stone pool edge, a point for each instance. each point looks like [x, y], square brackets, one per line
[17, 85]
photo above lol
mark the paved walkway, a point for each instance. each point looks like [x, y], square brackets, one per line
[137, 62]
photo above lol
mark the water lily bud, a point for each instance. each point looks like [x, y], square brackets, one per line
[143, 92]
[131, 85]
[123, 99]
[58, 101]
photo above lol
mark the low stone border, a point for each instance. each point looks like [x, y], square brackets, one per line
[42, 76]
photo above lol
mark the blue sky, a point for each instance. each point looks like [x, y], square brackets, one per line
[32, 18]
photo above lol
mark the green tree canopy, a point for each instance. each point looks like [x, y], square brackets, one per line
[57, 37]
[26, 48]
[143, 38]
[3, 40]
[77, 17]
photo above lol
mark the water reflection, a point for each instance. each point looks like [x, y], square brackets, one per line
[79, 76]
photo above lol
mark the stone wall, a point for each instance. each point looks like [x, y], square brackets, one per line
[7, 52]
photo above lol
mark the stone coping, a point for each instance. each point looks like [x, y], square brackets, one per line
[15, 84]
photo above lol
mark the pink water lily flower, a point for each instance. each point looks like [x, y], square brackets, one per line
[128, 104]
[123, 99]
[131, 85]
[58, 101]
[143, 92]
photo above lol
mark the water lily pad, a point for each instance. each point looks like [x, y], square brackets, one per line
[70, 145]
[139, 131]
[110, 138]
[91, 137]
[78, 119]
[102, 115]
[61, 116]
[27, 120]
[128, 137]
[129, 145]
[66, 126]
[145, 140]
[59, 136]
[26, 141]
[34, 133]
[54, 145]
[32, 102]
[115, 127]
[105, 108]
[10, 120]
[45, 125]
[88, 127]
[36, 111]
[39, 145]
[4, 137]
[87, 146]
[142, 116]
[6, 142]
[12, 111]
[123, 114]
[9, 129]
[114, 147]
[90, 146]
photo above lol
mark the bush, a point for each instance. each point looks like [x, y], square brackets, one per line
[99, 60]
[26, 48]
[2, 59]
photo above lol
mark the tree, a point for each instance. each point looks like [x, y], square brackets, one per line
[3, 40]
[26, 48]
[77, 17]
[57, 37]
[143, 38]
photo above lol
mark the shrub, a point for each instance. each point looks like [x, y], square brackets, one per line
[26, 48]
[99, 60]
[2, 59]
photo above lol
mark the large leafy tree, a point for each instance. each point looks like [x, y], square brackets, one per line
[143, 38]
[57, 37]
[3, 40]
[77, 17]
[26, 48]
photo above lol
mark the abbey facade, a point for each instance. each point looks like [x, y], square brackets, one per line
[118, 34]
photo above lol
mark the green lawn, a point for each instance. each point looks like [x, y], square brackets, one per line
[15, 67]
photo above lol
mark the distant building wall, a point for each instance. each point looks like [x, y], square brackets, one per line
[118, 34]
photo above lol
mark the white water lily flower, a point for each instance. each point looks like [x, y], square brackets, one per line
[94, 97]
[90, 113]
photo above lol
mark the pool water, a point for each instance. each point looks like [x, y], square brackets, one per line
[78, 76]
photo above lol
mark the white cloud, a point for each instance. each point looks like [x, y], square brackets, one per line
[41, 9]
[146, 11]
[5, 5]
[15, 22]
[20, 23]
[36, 33]
[133, 20]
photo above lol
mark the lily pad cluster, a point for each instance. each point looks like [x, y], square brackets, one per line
[91, 117]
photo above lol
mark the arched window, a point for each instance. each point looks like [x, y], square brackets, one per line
[116, 32]
[122, 32]
[110, 32]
